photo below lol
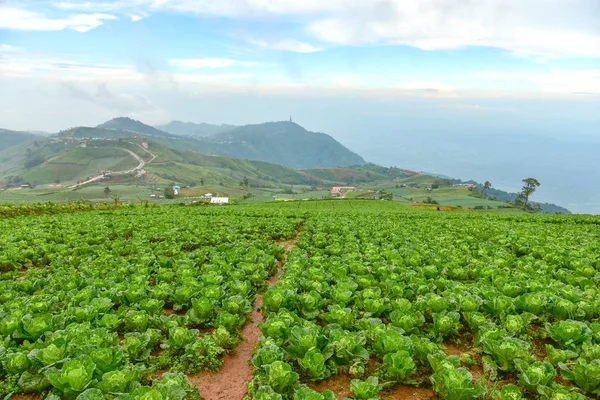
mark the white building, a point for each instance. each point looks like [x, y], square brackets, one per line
[219, 200]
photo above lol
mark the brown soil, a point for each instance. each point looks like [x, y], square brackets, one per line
[229, 383]
[338, 384]
[170, 311]
[409, 392]
[539, 348]
[30, 396]
[477, 371]
[452, 350]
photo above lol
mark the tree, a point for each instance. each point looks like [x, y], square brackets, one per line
[107, 191]
[201, 181]
[169, 192]
[486, 186]
[530, 185]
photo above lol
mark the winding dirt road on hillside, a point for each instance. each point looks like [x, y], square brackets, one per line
[140, 166]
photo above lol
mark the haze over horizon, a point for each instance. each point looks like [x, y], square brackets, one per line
[489, 90]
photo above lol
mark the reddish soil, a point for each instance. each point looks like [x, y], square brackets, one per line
[539, 348]
[408, 392]
[338, 384]
[170, 311]
[452, 350]
[477, 371]
[30, 396]
[229, 383]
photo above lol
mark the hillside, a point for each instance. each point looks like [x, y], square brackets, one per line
[12, 138]
[78, 164]
[130, 125]
[507, 196]
[67, 162]
[284, 143]
[194, 169]
[271, 157]
[90, 132]
[181, 128]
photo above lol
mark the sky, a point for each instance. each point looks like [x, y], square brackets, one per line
[488, 89]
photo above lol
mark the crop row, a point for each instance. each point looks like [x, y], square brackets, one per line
[417, 299]
[100, 304]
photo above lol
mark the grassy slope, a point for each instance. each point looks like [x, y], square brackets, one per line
[191, 167]
[13, 159]
[79, 163]
[448, 196]
[9, 139]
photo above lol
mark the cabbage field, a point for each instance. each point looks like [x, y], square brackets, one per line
[375, 300]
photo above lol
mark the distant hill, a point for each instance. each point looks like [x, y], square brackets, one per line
[284, 143]
[89, 132]
[194, 130]
[12, 138]
[131, 125]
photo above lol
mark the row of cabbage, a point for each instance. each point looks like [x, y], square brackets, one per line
[378, 295]
[100, 304]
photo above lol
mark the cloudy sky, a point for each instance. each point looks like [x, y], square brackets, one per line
[356, 69]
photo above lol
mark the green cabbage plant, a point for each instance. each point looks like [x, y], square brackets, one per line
[74, 377]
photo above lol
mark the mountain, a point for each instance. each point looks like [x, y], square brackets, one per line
[12, 138]
[131, 125]
[284, 143]
[80, 154]
[195, 130]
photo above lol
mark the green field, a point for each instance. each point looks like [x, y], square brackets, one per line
[79, 164]
[373, 299]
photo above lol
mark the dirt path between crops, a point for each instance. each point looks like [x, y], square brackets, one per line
[230, 382]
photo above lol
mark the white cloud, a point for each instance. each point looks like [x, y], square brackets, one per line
[536, 27]
[124, 103]
[56, 68]
[95, 6]
[136, 18]
[419, 86]
[551, 81]
[19, 19]
[6, 48]
[478, 107]
[251, 8]
[220, 79]
[212, 63]
[292, 45]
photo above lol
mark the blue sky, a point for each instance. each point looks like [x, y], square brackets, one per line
[432, 48]
[356, 69]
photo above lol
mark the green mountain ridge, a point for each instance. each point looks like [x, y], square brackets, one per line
[126, 124]
[181, 128]
[285, 143]
[10, 138]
